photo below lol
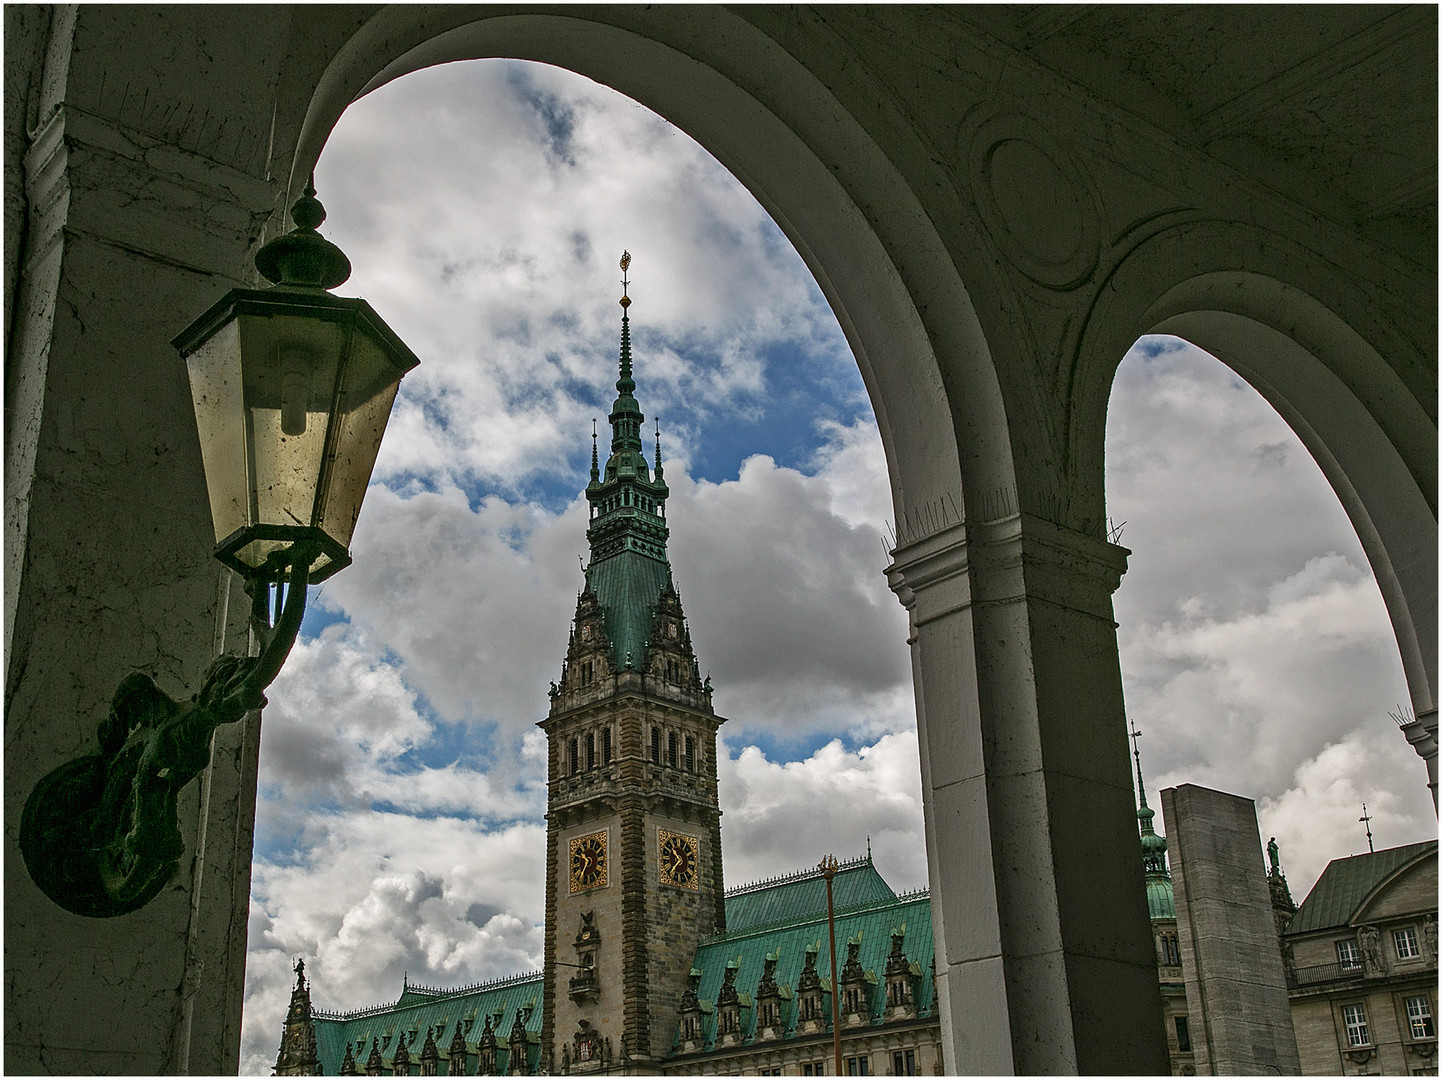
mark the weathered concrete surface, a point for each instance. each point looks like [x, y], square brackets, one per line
[1241, 1019]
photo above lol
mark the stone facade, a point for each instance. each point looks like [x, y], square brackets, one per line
[1362, 966]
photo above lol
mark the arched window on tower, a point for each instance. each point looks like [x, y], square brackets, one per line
[590, 749]
[690, 754]
[606, 746]
[671, 748]
[575, 758]
[655, 744]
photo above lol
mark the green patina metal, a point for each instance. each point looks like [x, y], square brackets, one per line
[1161, 902]
[629, 566]
[803, 895]
[457, 1021]
[1347, 883]
[782, 945]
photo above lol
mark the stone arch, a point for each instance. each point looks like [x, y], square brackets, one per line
[775, 127]
[946, 425]
[1341, 371]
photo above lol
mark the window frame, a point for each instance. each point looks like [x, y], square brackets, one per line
[1184, 1034]
[1409, 935]
[1424, 1016]
[1349, 954]
[1358, 1026]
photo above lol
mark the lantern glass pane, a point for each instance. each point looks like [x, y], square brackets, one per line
[289, 386]
[215, 388]
[369, 384]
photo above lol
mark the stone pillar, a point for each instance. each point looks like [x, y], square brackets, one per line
[1045, 962]
[1421, 734]
[109, 571]
[1241, 1020]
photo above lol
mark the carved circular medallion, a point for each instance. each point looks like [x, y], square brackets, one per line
[1035, 201]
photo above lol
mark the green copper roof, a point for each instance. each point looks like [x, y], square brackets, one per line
[1161, 903]
[627, 586]
[874, 921]
[419, 1010]
[628, 531]
[1346, 883]
[803, 894]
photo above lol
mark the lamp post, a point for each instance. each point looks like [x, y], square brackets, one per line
[828, 868]
[292, 388]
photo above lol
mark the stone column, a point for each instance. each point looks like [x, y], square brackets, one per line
[109, 571]
[1241, 1019]
[1045, 960]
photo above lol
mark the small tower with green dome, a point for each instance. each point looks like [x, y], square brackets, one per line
[1161, 908]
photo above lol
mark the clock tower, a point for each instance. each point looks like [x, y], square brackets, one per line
[633, 827]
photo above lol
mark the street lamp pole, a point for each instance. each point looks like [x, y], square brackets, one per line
[828, 869]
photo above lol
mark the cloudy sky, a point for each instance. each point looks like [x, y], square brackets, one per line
[484, 207]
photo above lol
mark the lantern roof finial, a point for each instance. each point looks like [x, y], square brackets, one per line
[302, 257]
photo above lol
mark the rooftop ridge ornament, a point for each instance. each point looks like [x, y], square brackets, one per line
[625, 385]
[292, 389]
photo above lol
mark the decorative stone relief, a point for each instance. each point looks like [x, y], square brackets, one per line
[1038, 204]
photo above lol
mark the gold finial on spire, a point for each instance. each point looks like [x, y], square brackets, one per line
[625, 285]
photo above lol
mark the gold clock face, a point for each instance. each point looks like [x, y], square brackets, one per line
[588, 861]
[679, 858]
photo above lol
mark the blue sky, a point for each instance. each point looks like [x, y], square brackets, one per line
[484, 207]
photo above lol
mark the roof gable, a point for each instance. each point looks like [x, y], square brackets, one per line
[1347, 884]
[796, 896]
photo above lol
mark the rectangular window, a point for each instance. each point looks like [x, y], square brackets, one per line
[1347, 954]
[1171, 954]
[587, 673]
[903, 1063]
[671, 748]
[656, 745]
[590, 749]
[858, 1066]
[690, 754]
[606, 746]
[1406, 942]
[1419, 1017]
[1355, 1019]
[814, 1068]
[1184, 1034]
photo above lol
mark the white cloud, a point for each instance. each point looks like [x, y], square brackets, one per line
[381, 896]
[485, 206]
[1254, 641]
[784, 816]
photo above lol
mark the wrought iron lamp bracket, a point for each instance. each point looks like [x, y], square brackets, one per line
[101, 835]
